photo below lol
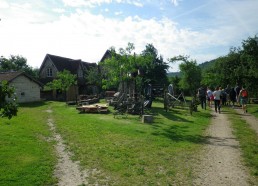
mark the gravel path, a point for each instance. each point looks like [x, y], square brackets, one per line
[67, 171]
[219, 163]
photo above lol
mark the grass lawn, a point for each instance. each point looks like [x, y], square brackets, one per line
[26, 158]
[128, 152]
[124, 151]
[253, 109]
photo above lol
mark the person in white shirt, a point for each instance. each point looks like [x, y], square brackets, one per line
[217, 95]
[209, 96]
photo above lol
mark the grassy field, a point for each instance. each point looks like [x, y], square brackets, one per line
[128, 152]
[253, 109]
[26, 158]
[123, 150]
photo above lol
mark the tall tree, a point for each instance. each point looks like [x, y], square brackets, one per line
[8, 105]
[123, 66]
[17, 63]
[191, 74]
[156, 70]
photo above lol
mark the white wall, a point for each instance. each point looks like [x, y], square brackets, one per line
[26, 90]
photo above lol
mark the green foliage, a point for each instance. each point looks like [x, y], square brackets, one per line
[63, 81]
[190, 74]
[156, 69]
[17, 63]
[239, 66]
[125, 65]
[93, 76]
[8, 105]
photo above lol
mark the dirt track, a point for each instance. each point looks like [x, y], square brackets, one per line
[220, 161]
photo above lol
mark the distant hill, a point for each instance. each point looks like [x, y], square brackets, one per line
[207, 64]
[203, 66]
[173, 74]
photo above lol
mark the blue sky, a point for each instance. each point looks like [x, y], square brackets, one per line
[85, 29]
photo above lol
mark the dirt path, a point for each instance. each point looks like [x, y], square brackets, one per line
[67, 172]
[219, 163]
[251, 120]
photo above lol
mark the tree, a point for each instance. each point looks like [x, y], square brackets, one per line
[238, 66]
[156, 70]
[122, 67]
[63, 82]
[93, 76]
[191, 74]
[8, 105]
[17, 63]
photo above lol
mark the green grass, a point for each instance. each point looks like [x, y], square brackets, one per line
[26, 158]
[128, 152]
[253, 109]
[248, 140]
[123, 150]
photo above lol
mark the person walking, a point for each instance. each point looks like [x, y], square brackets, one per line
[243, 96]
[232, 96]
[202, 96]
[217, 96]
[209, 96]
[237, 89]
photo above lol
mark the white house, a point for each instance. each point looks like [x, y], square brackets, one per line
[27, 89]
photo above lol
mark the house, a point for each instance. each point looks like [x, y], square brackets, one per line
[27, 89]
[49, 69]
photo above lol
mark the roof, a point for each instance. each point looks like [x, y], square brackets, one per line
[63, 63]
[10, 76]
[106, 55]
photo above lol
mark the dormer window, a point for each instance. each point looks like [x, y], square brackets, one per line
[49, 72]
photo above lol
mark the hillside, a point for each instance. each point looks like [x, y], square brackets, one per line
[203, 66]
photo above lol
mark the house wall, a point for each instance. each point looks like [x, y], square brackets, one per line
[48, 64]
[26, 90]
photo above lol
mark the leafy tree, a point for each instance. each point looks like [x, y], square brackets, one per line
[156, 70]
[63, 82]
[191, 74]
[93, 76]
[17, 63]
[122, 67]
[175, 82]
[8, 105]
[239, 66]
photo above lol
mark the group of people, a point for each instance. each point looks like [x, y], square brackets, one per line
[224, 96]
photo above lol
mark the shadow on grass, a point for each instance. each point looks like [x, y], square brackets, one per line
[33, 104]
[171, 115]
[178, 134]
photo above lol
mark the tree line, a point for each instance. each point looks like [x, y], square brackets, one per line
[239, 66]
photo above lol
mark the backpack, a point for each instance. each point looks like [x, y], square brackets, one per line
[244, 93]
[202, 92]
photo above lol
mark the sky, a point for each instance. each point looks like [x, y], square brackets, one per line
[85, 29]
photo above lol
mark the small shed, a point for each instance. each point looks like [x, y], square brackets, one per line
[27, 88]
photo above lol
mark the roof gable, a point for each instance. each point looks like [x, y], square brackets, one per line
[63, 63]
[10, 76]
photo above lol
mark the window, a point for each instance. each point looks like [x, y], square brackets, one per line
[49, 72]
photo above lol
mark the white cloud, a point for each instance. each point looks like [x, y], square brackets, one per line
[4, 4]
[93, 3]
[58, 10]
[81, 35]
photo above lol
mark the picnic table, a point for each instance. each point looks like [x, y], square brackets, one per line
[95, 108]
